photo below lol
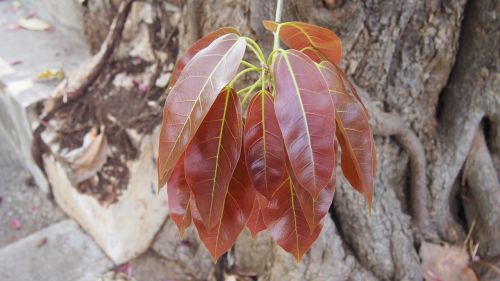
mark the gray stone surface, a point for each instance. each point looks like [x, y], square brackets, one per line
[67, 254]
[186, 258]
[19, 201]
[24, 54]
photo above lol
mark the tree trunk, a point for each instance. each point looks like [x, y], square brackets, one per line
[430, 68]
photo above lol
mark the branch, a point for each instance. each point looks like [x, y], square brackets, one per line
[68, 93]
[390, 124]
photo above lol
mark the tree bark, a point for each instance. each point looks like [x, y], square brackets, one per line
[430, 65]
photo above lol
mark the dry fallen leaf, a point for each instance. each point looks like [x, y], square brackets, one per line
[50, 75]
[16, 5]
[445, 263]
[41, 242]
[88, 159]
[33, 24]
[488, 269]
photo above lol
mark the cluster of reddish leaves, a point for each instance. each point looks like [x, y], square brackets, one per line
[270, 165]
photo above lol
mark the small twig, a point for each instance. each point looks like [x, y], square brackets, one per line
[390, 124]
[70, 93]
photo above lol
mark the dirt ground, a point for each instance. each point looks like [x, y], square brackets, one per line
[24, 208]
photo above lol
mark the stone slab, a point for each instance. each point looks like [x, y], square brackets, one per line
[24, 54]
[185, 258]
[21, 201]
[67, 254]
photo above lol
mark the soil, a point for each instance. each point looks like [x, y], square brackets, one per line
[117, 109]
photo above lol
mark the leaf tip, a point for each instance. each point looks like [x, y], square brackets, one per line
[369, 201]
[269, 25]
[215, 257]
[181, 233]
[298, 257]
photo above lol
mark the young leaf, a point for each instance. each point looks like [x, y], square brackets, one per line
[212, 156]
[195, 48]
[265, 153]
[307, 37]
[354, 135]
[305, 113]
[255, 221]
[237, 208]
[193, 95]
[286, 221]
[345, 81]
[179, 196]
[315, 210]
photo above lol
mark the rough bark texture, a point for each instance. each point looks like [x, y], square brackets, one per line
[431, 68]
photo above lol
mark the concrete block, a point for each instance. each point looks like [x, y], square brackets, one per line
[125, 228]
[61, 252]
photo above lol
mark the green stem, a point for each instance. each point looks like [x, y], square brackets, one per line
[242, 73]
[248, 93]
[255, 48]
[244, 90]
[247, 64]
[263, 78]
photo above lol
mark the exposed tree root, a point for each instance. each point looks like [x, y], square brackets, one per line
[67, 93]
[383, 241]
[471, 94]
[328, 259]
[481, 197]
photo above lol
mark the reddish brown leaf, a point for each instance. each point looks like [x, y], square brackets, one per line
[304, 109]
[197, 47]
[212, 156]
[306, 37]
[255, 221]
[178, 197]
[265, 153]
[315, 210]
[237, 209]
[354, 135]
[345, 81]
[193, 95]
[286, 221]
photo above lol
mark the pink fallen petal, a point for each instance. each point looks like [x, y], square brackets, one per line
[136, 61]
[142, 87]
[125, 268]
[13, 27]
[15, 224]
[31, 14]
